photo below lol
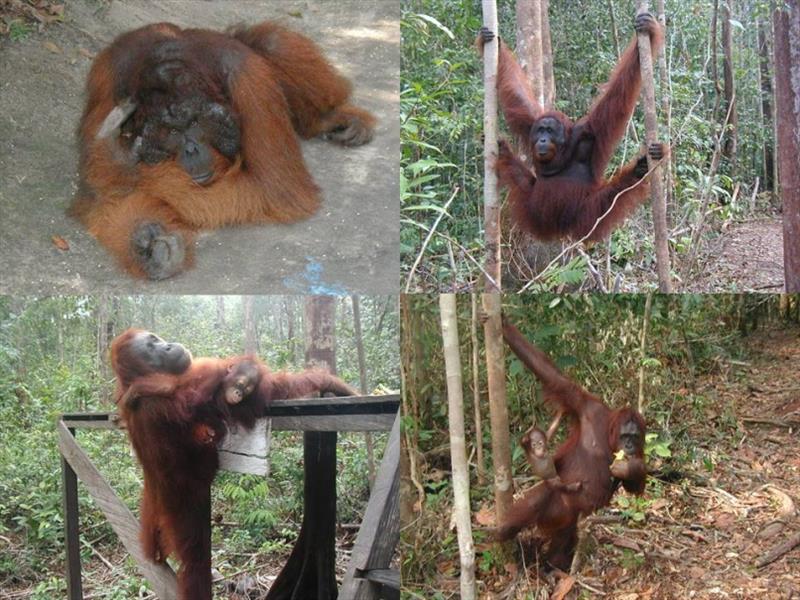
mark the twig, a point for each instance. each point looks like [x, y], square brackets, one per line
[768, 421]
[102, 558]
[712, 172]
[459, 246]
[777, 551]
[431, 231]
[595, 273]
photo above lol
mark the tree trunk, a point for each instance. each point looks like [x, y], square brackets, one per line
[658, 199]
[547, 57]
[787, 109]
[476, 391]
[409, 337]
[713, 53]
[221, 325]
[648, 308]
[498, 410]
[766, 104]
[529, 45]
[729, 149]
[491, 205]
[362, 378]
[310, 571]
[458, 446]
[666, 107]
[250, 343]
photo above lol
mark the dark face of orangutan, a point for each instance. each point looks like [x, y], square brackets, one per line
[159, 355]
[547, 138]
[630, 439]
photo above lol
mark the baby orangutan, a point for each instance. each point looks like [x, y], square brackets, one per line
[535, 442]
[239, 383]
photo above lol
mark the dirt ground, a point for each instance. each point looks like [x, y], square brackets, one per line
[746, 258]
[704, 536]
[350, 245]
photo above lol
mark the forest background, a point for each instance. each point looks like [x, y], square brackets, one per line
[723, 215]
[53, 360]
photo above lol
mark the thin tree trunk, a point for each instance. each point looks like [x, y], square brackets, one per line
[614, 29]
[491, 204]
[498, 410]
[101, 340]
[648, 308]
[714, 68]
[766, 104]
[362, 377]
[250, 344]
[221, 325]
[787, 109]
[458, 446]
[529, 45]
[476, 391]
[408, 358]
[547, 57]
[666, 105]
[658, 199]
[729, 149]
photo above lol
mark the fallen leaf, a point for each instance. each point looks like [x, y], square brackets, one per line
[485, 516]
[60, 243]
[52, 48]
[725, 520]
[86, 53]
[562, 588]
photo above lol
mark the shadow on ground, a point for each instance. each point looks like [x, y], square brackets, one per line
[350, 245]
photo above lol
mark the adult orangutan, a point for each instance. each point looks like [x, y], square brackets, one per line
[189, 129]
[566, 193]
[176, 409]
[596, 434]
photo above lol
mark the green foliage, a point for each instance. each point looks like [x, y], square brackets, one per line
[19, 30]
[442, 120]
[632, 507]
[655, 446]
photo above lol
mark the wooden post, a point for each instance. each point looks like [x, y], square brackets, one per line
[658, 200]
[71, 529]
[491, 205]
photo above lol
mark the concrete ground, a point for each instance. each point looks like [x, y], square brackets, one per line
[350, 245]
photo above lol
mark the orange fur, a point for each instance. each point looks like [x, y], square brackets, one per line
[279, 85]
[569, 192]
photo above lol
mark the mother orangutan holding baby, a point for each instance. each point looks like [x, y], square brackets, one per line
[177, 409]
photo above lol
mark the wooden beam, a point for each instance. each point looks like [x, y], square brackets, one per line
[121, 519]
[381, 422]
[355, 413]
[380, 530]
